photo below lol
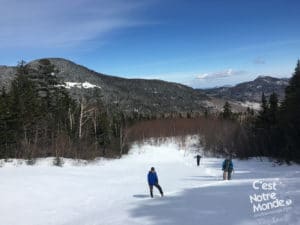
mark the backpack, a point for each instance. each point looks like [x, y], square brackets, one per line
[227, 164]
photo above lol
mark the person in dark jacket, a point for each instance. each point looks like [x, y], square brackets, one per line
[198, 157]
[227, 168]
[153, 181]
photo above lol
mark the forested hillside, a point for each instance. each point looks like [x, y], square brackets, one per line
[40, 117]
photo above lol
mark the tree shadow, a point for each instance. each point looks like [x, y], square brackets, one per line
[225, 203]
[201, 178]
[222, 202]
[206, 205]
[141, 196]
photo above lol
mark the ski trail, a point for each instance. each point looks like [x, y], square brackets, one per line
[113, 192]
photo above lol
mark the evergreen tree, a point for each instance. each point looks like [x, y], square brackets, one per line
[290, 117]
[273, 109]
[24, 108]
[4, 116]
[263, 114]
[227, 113]
[261, 130]
[104, 132]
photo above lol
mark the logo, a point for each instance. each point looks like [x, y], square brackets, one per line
[266, 197]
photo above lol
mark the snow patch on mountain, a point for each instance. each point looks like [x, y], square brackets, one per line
[85, 85]
[252, 105]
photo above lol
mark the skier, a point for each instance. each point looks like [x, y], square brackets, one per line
[153, 181]
[198, 157]
[227, 168]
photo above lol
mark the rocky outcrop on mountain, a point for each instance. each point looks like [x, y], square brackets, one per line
[7, 74]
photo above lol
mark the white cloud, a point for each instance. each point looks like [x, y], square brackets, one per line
[220, 74]
[63, 23]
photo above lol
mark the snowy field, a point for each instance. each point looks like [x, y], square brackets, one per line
[113, 192]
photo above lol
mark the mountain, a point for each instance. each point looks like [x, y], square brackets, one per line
[251, 91]
[141, 96]
[151, 97]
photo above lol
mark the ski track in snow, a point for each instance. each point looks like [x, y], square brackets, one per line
[112, 192]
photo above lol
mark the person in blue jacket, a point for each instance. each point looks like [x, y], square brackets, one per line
[227, 168]
[153, 181]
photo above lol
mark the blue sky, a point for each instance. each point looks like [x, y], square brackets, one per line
[194, 42]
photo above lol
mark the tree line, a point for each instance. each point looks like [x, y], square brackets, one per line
[273, 131]
[276, 129]
[38, 118]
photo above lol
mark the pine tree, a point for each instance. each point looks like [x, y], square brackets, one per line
[25, 109]
[4, 115]
[104, 132]
[227, 113]
[263, 114]
[273, 109]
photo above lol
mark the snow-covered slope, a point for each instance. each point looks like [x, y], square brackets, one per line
[112, 192]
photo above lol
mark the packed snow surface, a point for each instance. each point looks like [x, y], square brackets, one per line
[112, 192]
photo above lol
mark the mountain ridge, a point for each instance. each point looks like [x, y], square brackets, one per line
[251, 90]
[141, 96]
[149, 96]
